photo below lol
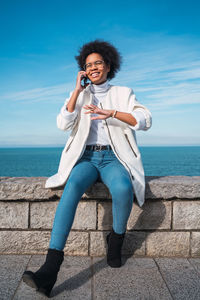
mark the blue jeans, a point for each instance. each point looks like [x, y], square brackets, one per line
[91, 167]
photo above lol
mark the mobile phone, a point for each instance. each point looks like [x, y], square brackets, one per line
[85, 79]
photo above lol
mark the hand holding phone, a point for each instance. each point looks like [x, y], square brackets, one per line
[81, 76]
[85, 79]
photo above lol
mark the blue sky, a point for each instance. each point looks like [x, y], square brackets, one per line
[158, 40]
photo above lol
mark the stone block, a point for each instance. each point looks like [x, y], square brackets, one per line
[152, 215]
[42, 215]
[168, 187]
[186, 215]
[14, 215]
[24, 242]
[77, 243]
[86, 216]
[168, 244]
[97, 243]
[26, 188]
[134, 243]
[37, 242]
[104, 221]
[195, 244]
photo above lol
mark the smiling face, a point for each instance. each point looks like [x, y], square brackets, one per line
[96, 72]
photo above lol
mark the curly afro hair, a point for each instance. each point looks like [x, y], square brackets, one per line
[110, 55]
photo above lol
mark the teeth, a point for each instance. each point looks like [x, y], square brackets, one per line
[95, 74]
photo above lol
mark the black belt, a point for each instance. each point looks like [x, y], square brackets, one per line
[98, 147]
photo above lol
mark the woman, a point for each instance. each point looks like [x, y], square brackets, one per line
[103, 119]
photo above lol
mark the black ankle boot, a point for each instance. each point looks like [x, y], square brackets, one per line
[115, 242]
[44, 279]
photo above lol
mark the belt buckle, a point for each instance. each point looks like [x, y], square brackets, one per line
[98, 148]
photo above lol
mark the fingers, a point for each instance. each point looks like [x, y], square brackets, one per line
[97, 118]
[82, 73]
[88, 112]
[91, 107]
[80, 76]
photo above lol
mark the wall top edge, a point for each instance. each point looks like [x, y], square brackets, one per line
[157, 187]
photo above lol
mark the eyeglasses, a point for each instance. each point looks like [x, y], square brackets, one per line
[97, 63]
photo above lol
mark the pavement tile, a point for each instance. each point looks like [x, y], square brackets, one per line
[74, 280]
[137, 279]
[91, 278]
[11, 270]
[195, 263]
[181, 278]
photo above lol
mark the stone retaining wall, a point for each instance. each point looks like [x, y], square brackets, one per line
[168, 224]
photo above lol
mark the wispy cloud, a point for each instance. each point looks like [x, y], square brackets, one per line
[165, 74]
[164, 71]
[50, 93]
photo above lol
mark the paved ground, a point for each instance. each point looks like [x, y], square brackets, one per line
[91, 278]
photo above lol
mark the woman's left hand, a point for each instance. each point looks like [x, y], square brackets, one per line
[93, 109]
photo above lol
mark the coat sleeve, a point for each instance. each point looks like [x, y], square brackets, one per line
[140, 113]
[66, 119]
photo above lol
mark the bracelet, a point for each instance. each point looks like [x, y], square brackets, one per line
[113, 115]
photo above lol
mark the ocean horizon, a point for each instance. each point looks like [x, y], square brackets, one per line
[42, 161]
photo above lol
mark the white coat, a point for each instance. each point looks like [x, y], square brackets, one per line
[121, 136]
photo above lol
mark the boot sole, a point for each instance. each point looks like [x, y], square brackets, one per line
[29, 280]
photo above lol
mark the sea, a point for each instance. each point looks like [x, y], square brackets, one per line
[44, 161]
